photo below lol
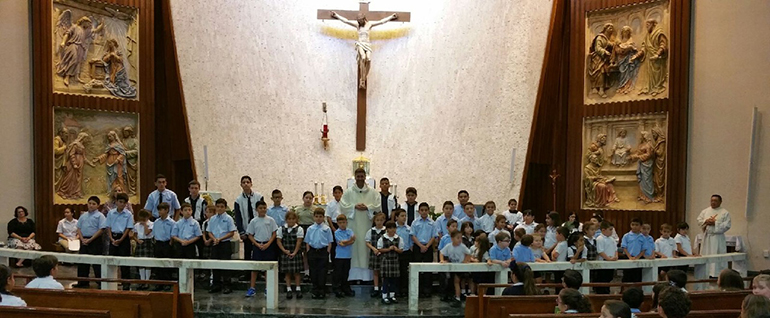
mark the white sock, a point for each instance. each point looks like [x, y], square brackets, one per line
[376, 287]
[384, 296]
[297, 288]
[148, 273]
[141, 274]
[392, 295]
[288, 288]
[457, 298]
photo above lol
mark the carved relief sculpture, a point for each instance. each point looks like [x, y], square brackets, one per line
[617, 69]
[95, 54]
[132, 156]
[96, 161]
[630, 174]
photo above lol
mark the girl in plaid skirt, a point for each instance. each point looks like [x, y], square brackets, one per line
[290, 237]
[142, 236]
[375, 259]
[390, 246]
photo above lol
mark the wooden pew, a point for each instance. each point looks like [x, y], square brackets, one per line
[723, 313]
[129, 304]
[716, 300]
[588, 315]
[502, 306]
[43, 312]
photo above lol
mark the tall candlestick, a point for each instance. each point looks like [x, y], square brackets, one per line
[322, 189]
[315, 187]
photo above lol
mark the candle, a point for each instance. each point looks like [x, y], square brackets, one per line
[322, 189]
[315, 186]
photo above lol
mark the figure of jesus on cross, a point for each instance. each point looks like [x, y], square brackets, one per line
[363, 46]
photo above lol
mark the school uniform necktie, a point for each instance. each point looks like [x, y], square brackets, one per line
[250, 209]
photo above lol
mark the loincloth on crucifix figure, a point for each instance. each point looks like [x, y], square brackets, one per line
[363, 46]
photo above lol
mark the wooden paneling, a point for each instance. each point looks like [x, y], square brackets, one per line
[556, 137]
[160, 105]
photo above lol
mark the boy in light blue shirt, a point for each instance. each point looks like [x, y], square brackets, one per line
[404, 232]
[470, 216]
[522, 253]
[221, 230]
[343, 252]
[447, 239]
[120, 222]
[319, 238]
[423, 236]
[633, 248]
[501, 252]
[441, 221]
[277, 211]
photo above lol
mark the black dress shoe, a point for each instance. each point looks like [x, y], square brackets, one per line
[350, 293]
[126, 286]
[456, 303]
[226, 290]
[339, 294]
[289, 295]
[213, 290]
[315, 296]
[386, 301]
[393, 300]
[298, 293]
[374, 293]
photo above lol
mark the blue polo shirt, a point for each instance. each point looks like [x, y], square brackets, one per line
[634, 243]
[220, 225]
[523, 254]
[343, 252]
[423, 229]
[498, 253]
[162, 229]
[319, 235]
[157, 197]
[118, 222]
[186, 229]
[278, 213]
[91, 222]
[445, 240]
[441, 222]
[405, 233]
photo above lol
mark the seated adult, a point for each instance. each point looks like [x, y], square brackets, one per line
[754, 306]
[730, 280]
[674, 303]
[677, 278]
[21, 232]
[615, 309]
[571, 301]
[572, 279]
[6, 285]
[761, 285]
[45, 268]
[523, 281]
[633, 297]
[68, 232]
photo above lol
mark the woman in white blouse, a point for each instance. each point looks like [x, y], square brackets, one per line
[6, 285]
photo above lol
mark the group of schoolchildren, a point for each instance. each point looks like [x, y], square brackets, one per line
[306, 238]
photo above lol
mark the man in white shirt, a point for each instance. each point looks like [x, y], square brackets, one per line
[45, 268]
[714, 221]
[67, 229]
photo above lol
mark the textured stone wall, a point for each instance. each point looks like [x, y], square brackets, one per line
[451, 94]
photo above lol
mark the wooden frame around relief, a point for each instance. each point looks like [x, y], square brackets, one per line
[95, 49]
[94, 153]
[627, 53]
[624, 162]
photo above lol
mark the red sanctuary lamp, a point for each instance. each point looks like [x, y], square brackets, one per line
[325, 130]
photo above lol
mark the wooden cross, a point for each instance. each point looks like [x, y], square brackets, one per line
[371, 16]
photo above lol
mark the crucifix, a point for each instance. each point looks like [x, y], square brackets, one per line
[363, 20]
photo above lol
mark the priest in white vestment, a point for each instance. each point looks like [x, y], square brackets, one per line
[359, 204]
[714, 221]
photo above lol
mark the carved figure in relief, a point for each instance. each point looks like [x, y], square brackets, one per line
[132, 158]
[644, 172]
[114, 157]
[659, 170]
[74, 47]
[597, 148]
[599, 190]
[71, 184]
[621, 149]
[363, 45]
[63, 24]
[654, 53]
[116, 78]
[59, 156]
[626, 59]
[599, 59]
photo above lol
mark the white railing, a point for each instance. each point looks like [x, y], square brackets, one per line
[650, 269]
[186, 267]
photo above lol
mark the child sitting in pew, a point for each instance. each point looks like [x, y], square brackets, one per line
[6, 285]
[523, 281]
[45, 268]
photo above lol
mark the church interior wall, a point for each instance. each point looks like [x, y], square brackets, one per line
[451, 94]
[728, 81]
[16, 164]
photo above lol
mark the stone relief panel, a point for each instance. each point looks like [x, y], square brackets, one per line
[624, 162]
[95, 49]
[95, 153]
[627, 53]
